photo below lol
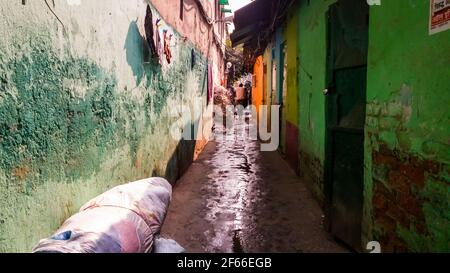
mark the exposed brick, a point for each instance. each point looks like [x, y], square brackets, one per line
[415, 173]
[411, 205]
[396, 212]
[386, 223]
[397, 202]
[382, 190]
[432, 167]
[383, 159]
[379, 202]
[399, 182]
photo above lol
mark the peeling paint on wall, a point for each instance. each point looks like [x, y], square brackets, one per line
[76, 121]
[407, 146]
[407, 186]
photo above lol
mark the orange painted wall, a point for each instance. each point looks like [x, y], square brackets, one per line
[257, 90]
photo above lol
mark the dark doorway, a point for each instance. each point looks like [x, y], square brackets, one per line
[345, 118]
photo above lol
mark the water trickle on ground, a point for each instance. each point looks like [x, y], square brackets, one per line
[235, 198]
[233, 177]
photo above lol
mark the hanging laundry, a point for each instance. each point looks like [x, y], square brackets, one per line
[210, 82]
[167, 51]
[159, 44]
[149, 33]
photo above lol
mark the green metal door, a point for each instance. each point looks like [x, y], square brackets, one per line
[346, 101]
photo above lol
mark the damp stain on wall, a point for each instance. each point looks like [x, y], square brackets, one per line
[70, 128]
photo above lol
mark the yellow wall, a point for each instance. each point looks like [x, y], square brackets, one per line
[291, 35]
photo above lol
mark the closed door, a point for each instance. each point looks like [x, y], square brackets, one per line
[345, 118]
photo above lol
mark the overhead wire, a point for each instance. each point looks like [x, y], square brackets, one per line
[53, 12]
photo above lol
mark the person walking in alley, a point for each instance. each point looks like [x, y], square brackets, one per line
[240, 99]
[223, 100]
[240, 95]
[248, 93]
[231, 93]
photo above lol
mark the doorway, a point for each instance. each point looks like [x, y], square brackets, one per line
[347, 47]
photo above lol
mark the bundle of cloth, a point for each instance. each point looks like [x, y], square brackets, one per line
[125, 219]
[224, 100]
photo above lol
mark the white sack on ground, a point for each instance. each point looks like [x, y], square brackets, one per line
[164, 245]
[124, 219]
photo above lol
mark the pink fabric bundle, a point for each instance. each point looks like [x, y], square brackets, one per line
[124, 219]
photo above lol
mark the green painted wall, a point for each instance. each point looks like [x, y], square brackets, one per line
[407, 194]
[291, 36]
[82, 110]
[408, 134]
[312, 82]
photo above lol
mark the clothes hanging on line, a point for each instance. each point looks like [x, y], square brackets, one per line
[167, 50]
[159, 43]
[210, 82]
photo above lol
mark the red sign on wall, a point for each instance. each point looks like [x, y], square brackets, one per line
[439, 16]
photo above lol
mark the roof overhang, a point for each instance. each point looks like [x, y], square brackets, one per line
[250, 20]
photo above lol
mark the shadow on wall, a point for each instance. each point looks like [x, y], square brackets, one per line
[137, 52]
[180, 160]
[139, 58]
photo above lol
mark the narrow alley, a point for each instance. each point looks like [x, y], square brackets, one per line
[235, 198]
[334, 136]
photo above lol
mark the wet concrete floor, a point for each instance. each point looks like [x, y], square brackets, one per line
[235, 198]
